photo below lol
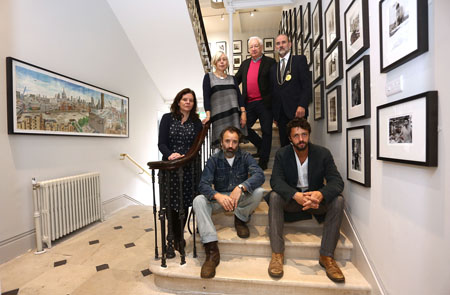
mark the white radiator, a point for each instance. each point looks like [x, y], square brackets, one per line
[64, 205]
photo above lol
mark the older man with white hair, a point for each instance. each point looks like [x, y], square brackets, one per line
[254, 74]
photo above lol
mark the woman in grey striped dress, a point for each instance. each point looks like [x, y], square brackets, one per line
[222, 98]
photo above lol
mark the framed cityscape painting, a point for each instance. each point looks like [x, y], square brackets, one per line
[358, 155]
[41, 101]
[356, 27]
[403, 31]
[407, 130]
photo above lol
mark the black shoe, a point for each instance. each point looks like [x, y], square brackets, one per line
[170, 253]
[262, 164]
[241, 228]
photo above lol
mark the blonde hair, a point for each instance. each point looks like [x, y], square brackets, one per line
[217, 56]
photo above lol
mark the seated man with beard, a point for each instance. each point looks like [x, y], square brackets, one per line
[298, 191]
[231, 181]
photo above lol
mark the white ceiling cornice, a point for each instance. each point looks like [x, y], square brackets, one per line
[246, 4]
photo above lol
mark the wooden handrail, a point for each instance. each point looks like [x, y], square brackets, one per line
[193, 151]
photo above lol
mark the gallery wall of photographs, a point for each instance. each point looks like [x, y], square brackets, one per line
[195, 14]
[315, 32]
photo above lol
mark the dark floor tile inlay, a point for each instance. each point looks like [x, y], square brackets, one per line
[59, 263]
[137, 216]
[129, 245]
[146, 272]
[102, 267]
[149, 229]
[94, 242]
[11, 292]
[118, 227]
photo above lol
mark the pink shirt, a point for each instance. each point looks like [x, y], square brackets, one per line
[253, 93]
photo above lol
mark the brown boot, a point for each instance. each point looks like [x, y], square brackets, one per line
[332, 269]
[241, 228]
[212, 260]
[276, 265]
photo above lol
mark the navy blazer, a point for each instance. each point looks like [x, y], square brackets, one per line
[265, 87]
[293, 93]
[320, 167]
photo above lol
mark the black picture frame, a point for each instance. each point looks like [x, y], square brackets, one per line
[358, 89]
[358, 155]
[269, 44]
[221, 46]
[333, 68]
[44, 102]
[404, 38]
[318, 101]
[290, 26]
[317, 22]
[237, 60]
[318, 62]
[237, 46]
[270, 54]
[307, 52]
[307, 21]
[334, 110]
[300, 21]
[407, 130]
[356, 38]
[299, 45]
[332, 24]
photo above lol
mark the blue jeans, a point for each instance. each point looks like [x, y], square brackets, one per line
[204, 208]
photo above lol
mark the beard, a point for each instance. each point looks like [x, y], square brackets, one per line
[230, 152]
[300, 148]
[282, 51]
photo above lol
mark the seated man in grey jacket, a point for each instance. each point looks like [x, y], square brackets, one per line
[298, 191]
[231, 181]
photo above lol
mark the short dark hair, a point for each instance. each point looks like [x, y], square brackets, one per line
[231, 129]
[175, 108]
[298, 122]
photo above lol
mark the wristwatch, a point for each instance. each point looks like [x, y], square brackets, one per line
[241, 186]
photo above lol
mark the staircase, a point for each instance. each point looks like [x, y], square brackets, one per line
[244, 262]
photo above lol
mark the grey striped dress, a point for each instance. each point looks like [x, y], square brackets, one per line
[223, 100]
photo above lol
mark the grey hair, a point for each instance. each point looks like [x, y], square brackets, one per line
[217, 56]
[260, 41]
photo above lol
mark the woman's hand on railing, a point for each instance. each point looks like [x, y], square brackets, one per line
[206, 120]
[175, 156]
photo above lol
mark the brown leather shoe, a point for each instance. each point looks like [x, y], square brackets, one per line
[276, 265]
[333, 271]
[211, 262]
[241, 228]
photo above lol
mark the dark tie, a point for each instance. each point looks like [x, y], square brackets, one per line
[283, 67]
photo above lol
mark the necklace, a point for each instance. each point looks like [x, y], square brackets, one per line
[288, 73]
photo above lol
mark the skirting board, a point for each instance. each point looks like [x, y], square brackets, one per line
[360, 258]
[21, 243]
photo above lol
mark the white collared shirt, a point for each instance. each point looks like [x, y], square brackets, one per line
[286, 58]
[302, 182]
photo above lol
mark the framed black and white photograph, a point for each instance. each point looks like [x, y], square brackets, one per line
[290, 22]
[270, 54]
[299, 21]
[248, 56]
[407, 130]
[299, 45]
[318, 101]
[332, 24]
[358, 89]
[356, 27]
[334, 110]
[403, 31]
[307, 51]
[318, 62]
[268, 44]
[43, 102]
[237, 46]
[237, 60]
[333, 66]
[317, 22]
[307, 21]
[221, 46]
[358, 155]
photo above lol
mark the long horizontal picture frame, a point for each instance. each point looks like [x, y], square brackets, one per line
[44, 102]
[358, 155]
[407, 130]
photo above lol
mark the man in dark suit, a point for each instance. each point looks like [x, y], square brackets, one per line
[298, 191]
[291, 87]
[254, 74]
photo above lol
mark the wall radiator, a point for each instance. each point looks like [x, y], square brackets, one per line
[64, 205]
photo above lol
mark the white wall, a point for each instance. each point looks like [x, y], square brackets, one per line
[402, 219]
[81, 39]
